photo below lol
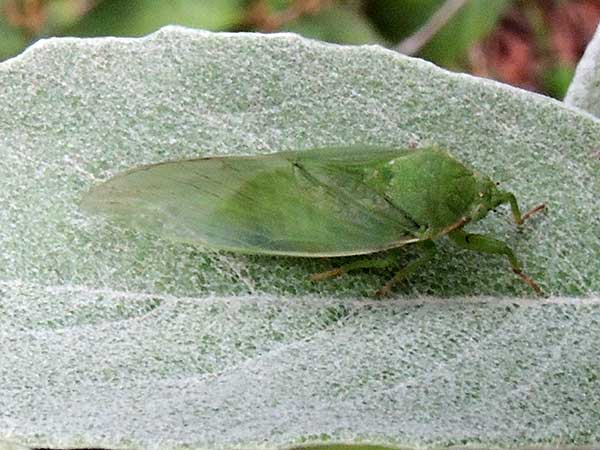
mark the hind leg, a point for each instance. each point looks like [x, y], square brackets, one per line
[367, 263]
[429, 250]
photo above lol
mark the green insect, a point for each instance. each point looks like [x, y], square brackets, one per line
[335, 201]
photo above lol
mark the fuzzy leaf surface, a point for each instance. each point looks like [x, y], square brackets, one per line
[119, 339]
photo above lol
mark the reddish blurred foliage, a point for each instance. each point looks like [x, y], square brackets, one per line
[535, 36]
[29, 15]
[572, 26]
[262, 18]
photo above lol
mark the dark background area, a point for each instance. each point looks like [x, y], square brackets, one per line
[533, 44]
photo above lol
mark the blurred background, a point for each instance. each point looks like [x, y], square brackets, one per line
[533, 44]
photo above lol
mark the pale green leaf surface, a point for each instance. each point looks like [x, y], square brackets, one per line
[115, 338]
[584, 91]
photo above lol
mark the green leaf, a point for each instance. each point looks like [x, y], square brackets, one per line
[139, 17]
[398, 19]
[472, 23]
[556, 80]
[117, 339]
[584, 91]
[336, 24]
[476, 19]
[11, 40]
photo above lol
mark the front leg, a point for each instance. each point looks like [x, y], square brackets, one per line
[507, 197]
[485, 244]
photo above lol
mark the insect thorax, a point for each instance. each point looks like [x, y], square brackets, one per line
[433, 188]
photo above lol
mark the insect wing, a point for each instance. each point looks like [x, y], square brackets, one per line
[351, 171]
[269, 204]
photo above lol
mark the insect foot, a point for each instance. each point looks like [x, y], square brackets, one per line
[532, 284]
[539, 208]
[327, 274]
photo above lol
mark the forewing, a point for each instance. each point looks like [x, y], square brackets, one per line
[358, 171]
[268, 204]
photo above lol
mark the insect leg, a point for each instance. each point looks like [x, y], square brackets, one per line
[507, 197]
[429, 251]
[485, 244]
[367, 263]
